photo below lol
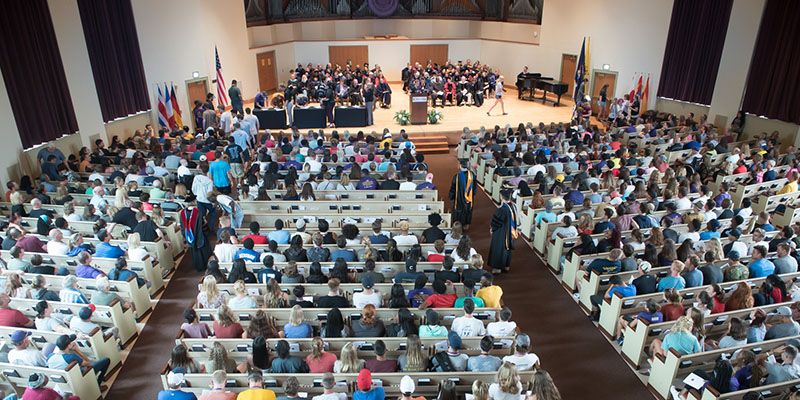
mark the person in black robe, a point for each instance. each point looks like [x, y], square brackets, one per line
[504, 230]
[462, 189]
[193, 230]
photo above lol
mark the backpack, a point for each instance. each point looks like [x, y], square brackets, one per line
[441, 363]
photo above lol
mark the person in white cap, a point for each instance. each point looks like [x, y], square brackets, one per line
[175, 381]
[407, 388]
[300, 225]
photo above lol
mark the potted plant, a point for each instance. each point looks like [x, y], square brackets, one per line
[402, 117]
[434, 116]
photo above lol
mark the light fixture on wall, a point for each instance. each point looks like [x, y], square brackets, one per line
[607, 67]
[195, 74]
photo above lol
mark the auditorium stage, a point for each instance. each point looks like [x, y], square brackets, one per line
[456, 118]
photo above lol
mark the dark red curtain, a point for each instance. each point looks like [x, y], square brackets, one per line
[110, 32]
[773, 84]
[33, 73]
[694, 47]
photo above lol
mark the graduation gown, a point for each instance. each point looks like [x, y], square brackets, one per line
[195, 236]
[462, 190]
[503, 221]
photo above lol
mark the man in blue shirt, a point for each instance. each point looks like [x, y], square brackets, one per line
[269, 271]
[279, 235]
[221, 173]
[575, 195]
[606, 223]
[247, 253]
[105, 249]
[342, 252]
[760, 267]
[712, 232]
[240, 136]
[547, 215]
[674, 280]
[67, 352]
[693, 276]
[616, 285]
[175, 381]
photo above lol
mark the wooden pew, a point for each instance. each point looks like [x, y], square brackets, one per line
[71, 381]
[96, 344]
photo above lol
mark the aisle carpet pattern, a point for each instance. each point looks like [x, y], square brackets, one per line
[581, 361]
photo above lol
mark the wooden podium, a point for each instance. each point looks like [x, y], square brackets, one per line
[418, 103]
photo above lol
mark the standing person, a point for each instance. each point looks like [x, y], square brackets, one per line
[329, 101]
[192, 228]
[369, 100]
[601, 103]
[202, 185]
[461, 191]
[503, 230]
[498, 96]
[235, 94]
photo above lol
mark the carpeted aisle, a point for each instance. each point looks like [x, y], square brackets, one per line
[581, 361]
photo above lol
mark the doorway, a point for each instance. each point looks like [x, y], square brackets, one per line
[601, 78]
[568, 64]
[196, 89]
[267, 71]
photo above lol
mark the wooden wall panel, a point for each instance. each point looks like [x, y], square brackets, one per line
[342, 54]
[421, 53]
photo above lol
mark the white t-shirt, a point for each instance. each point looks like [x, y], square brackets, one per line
[78, 325]
[406, 240]
[501, 328]
[740, 248]
[523, 362]
[361, 299]
[496, 394]
[330, 396]
[136, 254]
[30, 357]
[408, 186]
[459, 260]
[683, 203]
[468, 326]
[225, 251]
[565, 232]
[201, 186]
[693, 236]
[238, 303]
[57, 248]
[535, 169]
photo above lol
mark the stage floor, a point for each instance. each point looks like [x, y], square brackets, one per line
[456, 118]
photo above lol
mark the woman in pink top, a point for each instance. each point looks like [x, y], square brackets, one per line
[320, 361]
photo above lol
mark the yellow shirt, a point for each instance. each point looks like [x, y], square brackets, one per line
[491, 296]
[788, 188]
[256, 394]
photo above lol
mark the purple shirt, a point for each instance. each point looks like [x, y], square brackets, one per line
[87, 271]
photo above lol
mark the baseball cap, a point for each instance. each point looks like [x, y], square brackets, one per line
[429, 177]
[203, 158]
[367, 282]
[64, 340]
[735, 233]
[733, 255]
[407, 385]
[522, 340]
[713, 224]
[300, 224]
[18, 336]
[364, 380]
[645, 266]
[175, 379]
[86, 312]
[784, 311]
[454, 340]
[37, 380]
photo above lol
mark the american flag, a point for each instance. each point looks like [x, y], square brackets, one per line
[222, 97]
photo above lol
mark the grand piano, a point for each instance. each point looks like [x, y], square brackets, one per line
[534, 80]
[553, 86]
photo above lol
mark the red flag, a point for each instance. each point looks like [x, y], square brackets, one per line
[638, 87]
[645, 94]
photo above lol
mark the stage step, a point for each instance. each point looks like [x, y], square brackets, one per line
[428, 139]
[432, 147]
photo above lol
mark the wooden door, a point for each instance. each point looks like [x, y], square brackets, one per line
[568, 64]
[600, 79]
[342, 55]
[195, 90]
[421, 53]
[267, 72]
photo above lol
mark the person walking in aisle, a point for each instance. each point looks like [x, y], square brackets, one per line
[192, 225]
[235, 94]
[503, 230]
[461, 190]
[498, 96]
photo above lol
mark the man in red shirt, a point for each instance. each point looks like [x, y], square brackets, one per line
[10, 316]
[254, 234]
[440, 298]
[31, 244]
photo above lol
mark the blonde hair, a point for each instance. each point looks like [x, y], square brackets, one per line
[349, 359]
[317, 348]
[296, 316]
[273, 298]
[134, 241]
[180, 190]
[508, 378]
[345, 180]
[476, 261]
[480, 390]
[209, 287]
[683, 324]
[120, 197]
[239, 288]
[225, 316]
[403, 226]
[416, 361]
[218, 357]
[679, 265]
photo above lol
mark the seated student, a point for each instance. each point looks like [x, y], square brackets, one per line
[652, 315]
[257, 237]
[348, 255]
[193, 328]
[609, 265]
[239, 272]
[225, 325]
[348, 361]
[404, 237]
[433, 233]
[299, 293]
[320, 361]
[335, 298]
[366, 391]
[679, 338]
[522, 358]
[369, 270]
[297, 327]
[616, 285]
[760, 267]
[492, 295]
[174, 383]
[105, 249]
[318, 252]
[247, 253]
[674, 280]
[269, 271]
[467, 325]
[279, 235]
[218, 381]
[432, 327]
[379, 236]
[484, 362]
[438, 254]
[67, 351]
[507, 385]
[448, 271]
[440, 298]
[286, 363]
[368, 295]
[469, 294]
[784, 371]
[380, 363]
[369, 325]
[504, 327]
